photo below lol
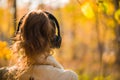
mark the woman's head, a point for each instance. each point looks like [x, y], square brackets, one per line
[36, 33]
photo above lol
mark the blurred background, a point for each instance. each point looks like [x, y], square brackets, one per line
[90, 30]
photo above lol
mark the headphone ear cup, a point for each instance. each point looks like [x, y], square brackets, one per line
[56, 42]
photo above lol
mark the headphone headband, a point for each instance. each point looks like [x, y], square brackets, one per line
[57, 41]
[50, 17]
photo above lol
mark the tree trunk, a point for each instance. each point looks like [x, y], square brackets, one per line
[117, 31]
[15, 13]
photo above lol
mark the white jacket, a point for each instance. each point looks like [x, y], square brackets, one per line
[51, 71]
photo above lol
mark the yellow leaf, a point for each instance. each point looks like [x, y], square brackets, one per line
[87, 10]
[4, 50]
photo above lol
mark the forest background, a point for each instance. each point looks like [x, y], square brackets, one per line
[90, 30]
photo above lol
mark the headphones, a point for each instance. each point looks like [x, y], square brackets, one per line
[56, 42]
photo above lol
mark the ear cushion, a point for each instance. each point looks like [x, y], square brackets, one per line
[56, 42]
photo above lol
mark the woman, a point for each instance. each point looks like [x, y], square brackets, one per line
[34, 41]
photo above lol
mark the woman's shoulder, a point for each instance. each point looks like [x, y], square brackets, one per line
[5, 73]
[54, 72]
